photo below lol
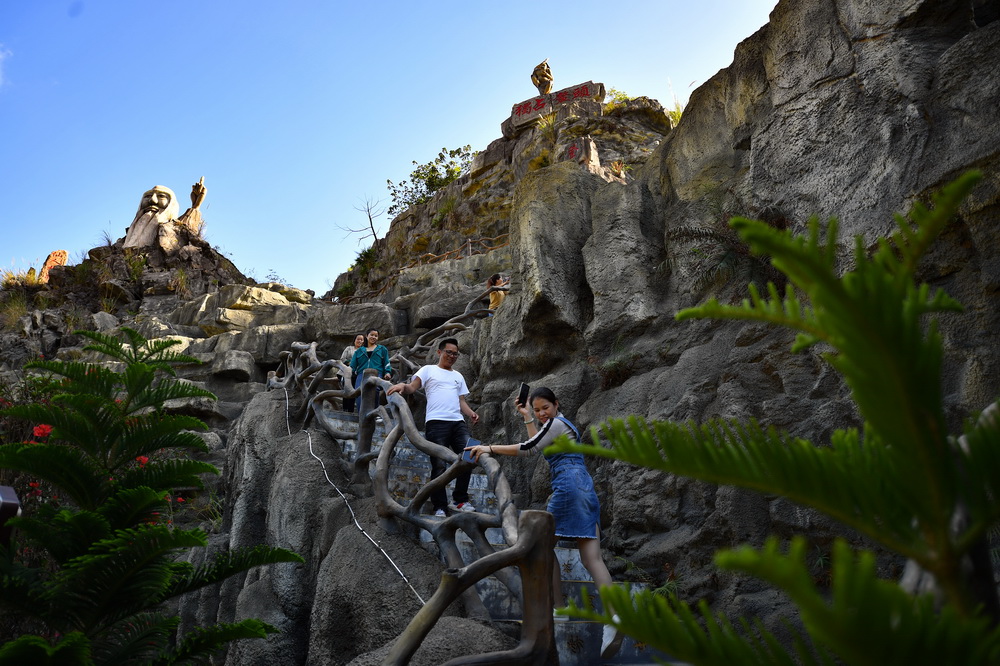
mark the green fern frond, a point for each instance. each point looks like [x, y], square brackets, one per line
[62, 533]
[853, 482]
[229, 563]
[73, 649]
[868, 621]
[137, 349]
[167, 474]
[691, 635]
[69, 469]
[132, 505]
[120, 575]
[204, 641]
[139, 639]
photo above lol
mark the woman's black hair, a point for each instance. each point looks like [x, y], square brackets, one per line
[495, 278]
[369, 331]
[543, 392]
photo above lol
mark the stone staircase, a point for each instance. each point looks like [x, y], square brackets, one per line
[578, 641]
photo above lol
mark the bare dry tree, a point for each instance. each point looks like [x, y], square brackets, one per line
[373, 209]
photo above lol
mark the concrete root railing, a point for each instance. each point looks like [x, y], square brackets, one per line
[532, 541]
[427, 342]
[533, 554]
[319, 381]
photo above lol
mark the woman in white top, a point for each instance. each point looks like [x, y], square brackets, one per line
[345, 358]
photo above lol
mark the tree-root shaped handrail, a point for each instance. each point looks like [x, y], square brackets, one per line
[300, 368]
[426, 342]
[533, 554]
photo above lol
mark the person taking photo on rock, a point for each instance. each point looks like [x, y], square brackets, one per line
[573, 503]
[444, 422]
[496, 297]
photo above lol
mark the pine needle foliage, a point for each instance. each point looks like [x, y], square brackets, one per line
[109, 563]
[902, 481]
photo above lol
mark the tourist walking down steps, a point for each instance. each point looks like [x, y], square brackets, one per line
[346, 357]
[574, 502]
[372, 355]
[444, 422]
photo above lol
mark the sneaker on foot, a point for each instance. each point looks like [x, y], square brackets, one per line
[440, 513]
[611, 641]
[466, 507]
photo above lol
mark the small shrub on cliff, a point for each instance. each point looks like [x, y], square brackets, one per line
[13, 306]
[618, 367]
[720, 256]
[346, 290]
[902, 481]
[89, 570]
[428, 178]
[616, 99]
[365, 262]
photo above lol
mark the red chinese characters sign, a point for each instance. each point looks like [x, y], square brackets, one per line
[530, 109]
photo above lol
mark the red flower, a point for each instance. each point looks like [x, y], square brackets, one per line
[180, 499]
[33, 484]
[42, 430]
[142, 460]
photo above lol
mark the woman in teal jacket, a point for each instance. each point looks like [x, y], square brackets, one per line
[372, 355]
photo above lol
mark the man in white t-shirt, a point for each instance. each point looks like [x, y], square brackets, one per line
[444, 423]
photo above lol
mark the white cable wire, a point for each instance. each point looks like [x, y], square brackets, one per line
[288, 427]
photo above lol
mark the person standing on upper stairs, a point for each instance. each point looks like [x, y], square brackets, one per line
[346, 357]
[444, 423]
[372, 355]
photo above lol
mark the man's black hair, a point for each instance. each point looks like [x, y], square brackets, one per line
[447, 341]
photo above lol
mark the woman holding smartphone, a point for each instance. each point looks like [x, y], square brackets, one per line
[574, 502]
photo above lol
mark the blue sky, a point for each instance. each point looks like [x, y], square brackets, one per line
[295, 112]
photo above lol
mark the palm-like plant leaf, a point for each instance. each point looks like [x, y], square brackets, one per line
[68, 468]
[694, 635]
[202, 642]
[62, 533]
[72, 649]
[227, 564]
[119, 576]
[852, 481]
[139, 639]
[867, 621]
[113, 563]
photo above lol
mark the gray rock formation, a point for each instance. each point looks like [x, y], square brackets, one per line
[839, 107]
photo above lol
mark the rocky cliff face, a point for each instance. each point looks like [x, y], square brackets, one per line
[835, 107]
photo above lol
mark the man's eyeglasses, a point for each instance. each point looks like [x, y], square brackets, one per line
[453, 354]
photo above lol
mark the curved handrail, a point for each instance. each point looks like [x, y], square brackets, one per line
[531, 537]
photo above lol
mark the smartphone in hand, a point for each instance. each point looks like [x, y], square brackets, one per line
[522, 396]
[466, 454]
